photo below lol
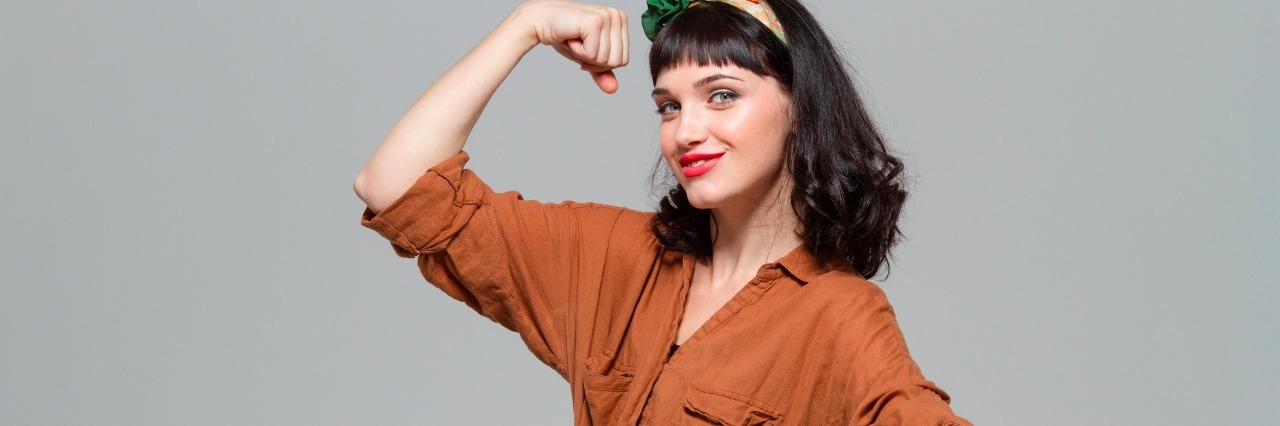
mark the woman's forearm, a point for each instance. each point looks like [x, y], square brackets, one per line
[439, 122]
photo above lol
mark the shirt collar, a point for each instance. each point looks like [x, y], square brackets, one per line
[802, 264]
[799, 263]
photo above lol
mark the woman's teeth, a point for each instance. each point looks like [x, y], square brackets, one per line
[697, 163]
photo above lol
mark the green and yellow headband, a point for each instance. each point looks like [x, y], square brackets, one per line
[661, 12]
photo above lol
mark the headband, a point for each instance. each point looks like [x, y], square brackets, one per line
[661, 12]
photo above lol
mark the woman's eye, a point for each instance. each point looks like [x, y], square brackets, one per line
[723, 96]
[668, 108]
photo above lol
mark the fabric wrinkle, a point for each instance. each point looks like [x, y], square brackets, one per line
[596, 297]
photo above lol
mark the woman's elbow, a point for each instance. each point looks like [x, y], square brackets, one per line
[369, 190]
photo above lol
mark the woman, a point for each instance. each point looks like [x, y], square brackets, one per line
[743, 300]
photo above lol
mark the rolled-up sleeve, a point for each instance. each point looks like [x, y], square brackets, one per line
[431, 211]
[511, 260]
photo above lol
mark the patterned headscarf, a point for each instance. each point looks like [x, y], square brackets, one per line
[661, 12]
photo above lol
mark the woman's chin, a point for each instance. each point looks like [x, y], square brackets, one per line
[704, 201]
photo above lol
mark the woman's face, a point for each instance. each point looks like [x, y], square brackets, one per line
[723, 132]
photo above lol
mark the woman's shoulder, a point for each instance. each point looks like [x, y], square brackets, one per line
[843, 286]
[621, 227]
[619, 210]
[617, 218]
[856, 313]
[831, 285]
[850, 302]
[633, 226]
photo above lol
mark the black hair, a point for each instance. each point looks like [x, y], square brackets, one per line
[848, 188]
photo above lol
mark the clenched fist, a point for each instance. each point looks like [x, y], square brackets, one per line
[594, 37]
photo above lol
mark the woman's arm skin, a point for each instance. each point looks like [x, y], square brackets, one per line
[437, 125]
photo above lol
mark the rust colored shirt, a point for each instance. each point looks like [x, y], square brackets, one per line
[596, 297]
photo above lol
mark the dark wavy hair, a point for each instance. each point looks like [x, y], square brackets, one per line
[849, 189]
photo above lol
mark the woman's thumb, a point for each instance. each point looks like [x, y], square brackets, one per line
[606, 80]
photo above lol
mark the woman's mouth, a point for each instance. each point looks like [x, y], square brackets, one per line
[697, 164]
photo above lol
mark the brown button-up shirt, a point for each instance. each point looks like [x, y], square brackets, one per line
[596, 297]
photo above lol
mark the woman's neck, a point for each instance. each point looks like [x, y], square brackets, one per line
[751, 235]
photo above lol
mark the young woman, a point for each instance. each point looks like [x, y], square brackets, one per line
[744, 299]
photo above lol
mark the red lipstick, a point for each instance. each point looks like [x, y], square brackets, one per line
[696, 164]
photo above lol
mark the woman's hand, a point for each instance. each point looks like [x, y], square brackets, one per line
[594, 37]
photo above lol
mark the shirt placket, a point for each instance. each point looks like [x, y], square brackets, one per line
[747, 295]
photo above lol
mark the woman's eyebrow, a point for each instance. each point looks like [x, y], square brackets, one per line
[711, 78]
[697, 85]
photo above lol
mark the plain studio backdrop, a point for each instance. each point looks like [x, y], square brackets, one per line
[1093, 232]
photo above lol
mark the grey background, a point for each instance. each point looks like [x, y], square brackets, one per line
[1093, 232]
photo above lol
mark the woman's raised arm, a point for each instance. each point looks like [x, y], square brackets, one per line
[439, 122]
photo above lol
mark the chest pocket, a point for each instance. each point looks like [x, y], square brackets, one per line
[709, 405]
[604, 392]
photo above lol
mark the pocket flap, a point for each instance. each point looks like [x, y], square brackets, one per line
[616, 378]
[616, 383]
[728, 408]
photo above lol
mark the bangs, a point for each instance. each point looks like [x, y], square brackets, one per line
[719, 34]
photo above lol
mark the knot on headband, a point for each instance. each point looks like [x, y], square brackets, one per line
[661, 12]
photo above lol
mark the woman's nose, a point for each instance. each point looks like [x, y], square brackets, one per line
[691, 130]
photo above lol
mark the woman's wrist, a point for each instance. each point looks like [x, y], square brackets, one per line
[518, 29]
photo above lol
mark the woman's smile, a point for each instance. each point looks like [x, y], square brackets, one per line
[697, 164]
